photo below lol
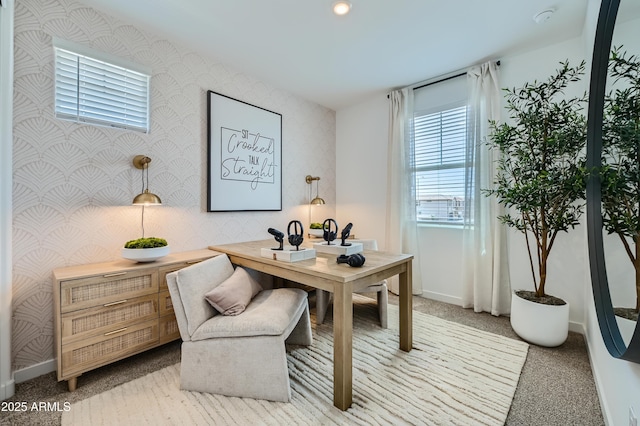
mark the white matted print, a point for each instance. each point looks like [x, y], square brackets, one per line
[245, 156]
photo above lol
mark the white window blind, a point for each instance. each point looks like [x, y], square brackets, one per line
[440, 134]
[93, 91]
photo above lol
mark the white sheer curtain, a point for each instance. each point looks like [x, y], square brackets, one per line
[486, 285]
[402, 227]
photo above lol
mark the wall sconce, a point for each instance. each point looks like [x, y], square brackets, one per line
[145, 197]
[316, 201]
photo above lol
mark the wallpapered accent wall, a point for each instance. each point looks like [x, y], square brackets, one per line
[73, 183]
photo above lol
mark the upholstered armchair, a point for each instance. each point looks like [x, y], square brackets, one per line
[323, 297]
[241, 353]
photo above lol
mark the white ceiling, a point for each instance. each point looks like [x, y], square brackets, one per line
[300, 46]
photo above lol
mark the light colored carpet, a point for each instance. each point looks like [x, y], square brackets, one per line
[454, 375]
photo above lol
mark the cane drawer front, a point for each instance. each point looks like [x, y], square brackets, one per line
[164, 270]
[102, 289]
[168, 329]
[165, 303]
[111, 316]
[99, 350]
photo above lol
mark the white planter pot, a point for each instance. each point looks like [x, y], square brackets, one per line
[146, 254]
[542, 325]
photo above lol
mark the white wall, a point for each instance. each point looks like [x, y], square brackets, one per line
[361, 168]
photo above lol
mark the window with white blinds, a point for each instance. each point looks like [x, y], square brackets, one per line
[94, 91]
[440, 134]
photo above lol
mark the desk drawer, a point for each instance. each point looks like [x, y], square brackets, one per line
[108, 317]
[102, 289]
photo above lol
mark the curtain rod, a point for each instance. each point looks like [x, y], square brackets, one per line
[446, 78]
[443, 79]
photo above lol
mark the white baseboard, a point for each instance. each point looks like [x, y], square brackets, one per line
[7, 389]
[576, 327]
[442, 298]
[34, 371]
[608, 421]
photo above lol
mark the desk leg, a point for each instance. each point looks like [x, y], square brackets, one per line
[406, 309]
[342, 346]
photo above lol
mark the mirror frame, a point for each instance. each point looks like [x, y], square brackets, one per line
[602, 297]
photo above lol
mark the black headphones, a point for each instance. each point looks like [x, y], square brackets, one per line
[296, 238]
[328, 234]
[355, 260]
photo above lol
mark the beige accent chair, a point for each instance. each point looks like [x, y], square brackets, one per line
[323, 297]
[242, 355]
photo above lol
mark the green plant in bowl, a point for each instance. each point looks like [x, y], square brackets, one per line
[145, 243]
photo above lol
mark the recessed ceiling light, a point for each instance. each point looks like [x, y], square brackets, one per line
[341, 7]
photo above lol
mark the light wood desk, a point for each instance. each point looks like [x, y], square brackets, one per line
[325, 273]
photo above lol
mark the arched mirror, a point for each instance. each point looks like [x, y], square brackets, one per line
[613, 191]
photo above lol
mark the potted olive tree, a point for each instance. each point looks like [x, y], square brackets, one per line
[620, 172]
[540, 179]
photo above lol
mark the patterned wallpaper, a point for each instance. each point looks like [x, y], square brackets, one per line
[73, 183]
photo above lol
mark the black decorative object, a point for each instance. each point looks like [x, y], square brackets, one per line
[355, 260]
[279, 236]
[345, 234]
[328, 234]
[297, 237]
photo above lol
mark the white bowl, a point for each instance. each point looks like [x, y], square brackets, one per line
[145, 254]
[316, 232]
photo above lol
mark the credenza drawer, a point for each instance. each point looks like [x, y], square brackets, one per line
[166, 305]
[168, 329]
[102, 289]
[108, 347]
[164, 270]
[107, 317]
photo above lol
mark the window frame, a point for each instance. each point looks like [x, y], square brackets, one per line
[117, 70]
[462, 165]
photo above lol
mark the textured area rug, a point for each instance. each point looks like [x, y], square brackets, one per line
[455, 375]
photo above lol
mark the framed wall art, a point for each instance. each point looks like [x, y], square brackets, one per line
[245, 156]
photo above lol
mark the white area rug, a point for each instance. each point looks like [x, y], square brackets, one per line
[455, 375]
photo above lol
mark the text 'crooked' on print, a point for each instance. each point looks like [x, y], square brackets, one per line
[247, 157]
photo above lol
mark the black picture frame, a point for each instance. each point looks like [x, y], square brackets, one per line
[244, 165]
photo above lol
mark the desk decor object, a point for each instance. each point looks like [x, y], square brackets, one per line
[344, 248]
[297, 237]
[328, 234]
[293, 252]
[355, 260]
[279, 237]
[244, 156]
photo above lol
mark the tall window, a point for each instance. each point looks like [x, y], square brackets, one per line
[92, 90]
[440, 133]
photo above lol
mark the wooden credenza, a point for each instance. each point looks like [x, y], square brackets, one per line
[105, 312]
